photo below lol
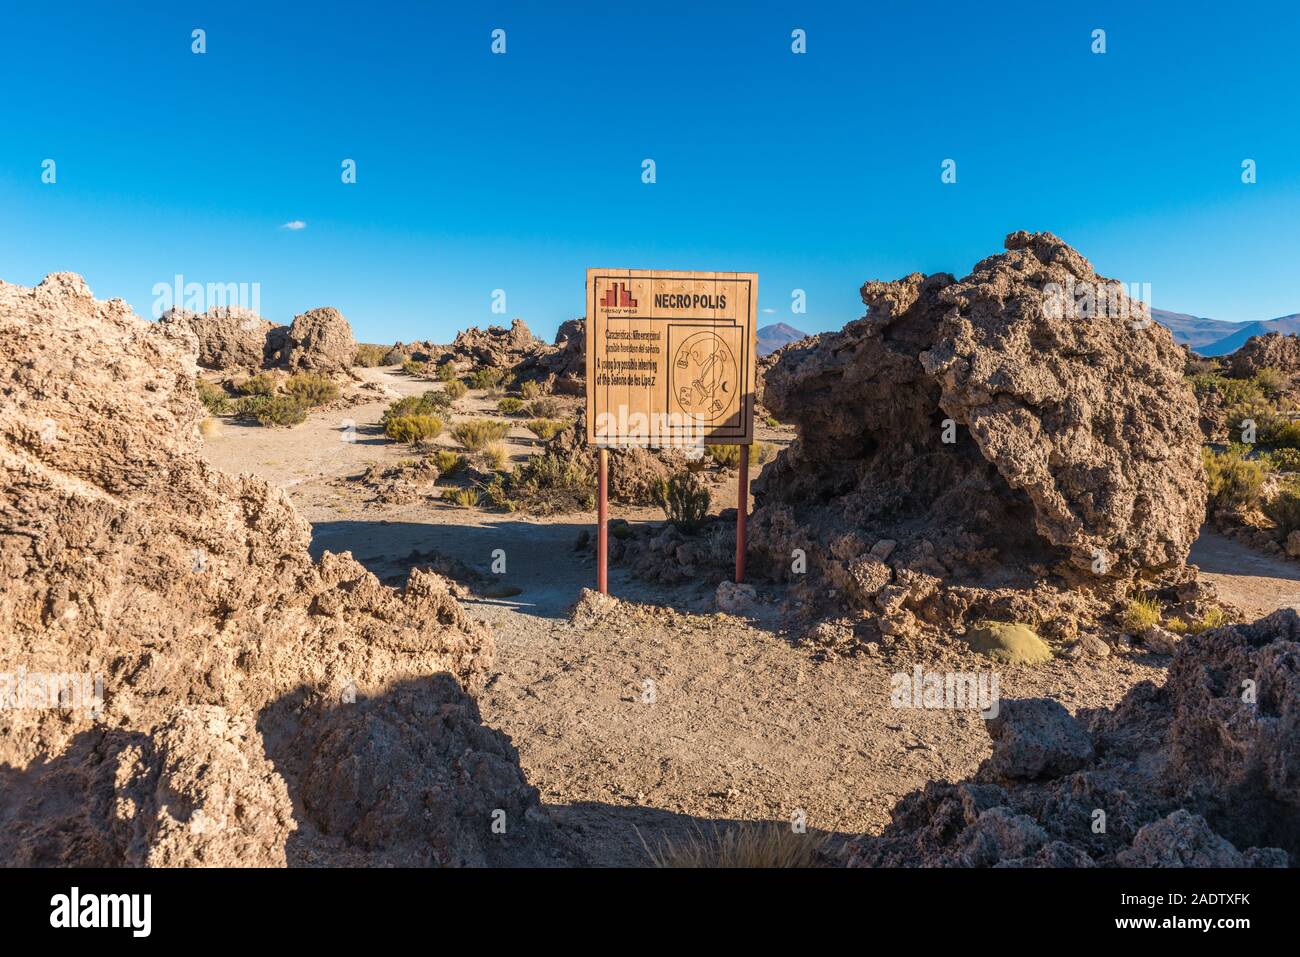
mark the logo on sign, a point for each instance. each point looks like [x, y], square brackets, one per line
[617, 296]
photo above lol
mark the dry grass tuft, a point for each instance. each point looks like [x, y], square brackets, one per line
[766, 844]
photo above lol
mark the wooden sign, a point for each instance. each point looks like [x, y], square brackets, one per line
[670, 357]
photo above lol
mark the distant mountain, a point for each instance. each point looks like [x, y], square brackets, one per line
[1215, 337]
[773, 337]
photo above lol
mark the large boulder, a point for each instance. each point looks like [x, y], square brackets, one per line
[319, 341]
[1269, 351]
[997, 428]
[230, 338]
[124, 557]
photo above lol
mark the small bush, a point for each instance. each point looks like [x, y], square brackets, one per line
[495, 456]
[1283, 509]
[210, 428]
[281, 410]
[756, 844]
[261, 384]
[455, 389]
[1271, 381]
[510, 406]
[1284, 460]
[728, 456]
[447, 372]
[448, 462]
[1214, 617]
[249, 406]
[311, 389]
[1140, 614]
[430, 403]
[545, 429]
[497, 493]
[474, 434]
[486, 378]
[764, 452]
[530, 390]
[546, 407]
[550, 483]
[684, 499]
[369, 356]
[772, 422]
[1281, 432]
[213, 397]
[464, 497]
[415, 368]
[413, 428]
[1232, 479]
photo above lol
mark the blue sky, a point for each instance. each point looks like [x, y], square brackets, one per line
[478, 172]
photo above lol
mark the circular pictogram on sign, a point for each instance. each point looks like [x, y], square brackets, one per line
[705, 377]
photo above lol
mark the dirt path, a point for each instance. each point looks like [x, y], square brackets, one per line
[655, 723]
[1254, 582]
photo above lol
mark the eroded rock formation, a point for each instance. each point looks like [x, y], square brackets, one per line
[319, 341]
[1005, 432]
[218, 639]
[1202, 772]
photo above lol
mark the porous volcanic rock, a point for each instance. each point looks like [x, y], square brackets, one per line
[1271, 350]
[1011, 437]
[1199, 772]
[319, 341]
[123, 555]
[230, 338]
[495, 347]
[564, 367]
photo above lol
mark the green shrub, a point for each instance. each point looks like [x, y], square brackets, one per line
[546, 407]
[430, 403]
[530, 390]
[550, 482]
[369, 356]
[485, 378]
[413, 428]
[510, 405]
[311, 389]
[764, 452]
[474, 434]
[497, 493]
[213, 397]
[464, 497]
[447, 372]
[545, 429]
[282, 410]
[1271, 381]
[455, 389]
[684, 499]
[415, 368]
[1140, 614]
[261, 384]
[728, 456]
[1279, 431]
[1232, 479]
[772, 422]
[249, 406]
[448, 462]
[495, 456]
[1283, 460]
[1284, 509]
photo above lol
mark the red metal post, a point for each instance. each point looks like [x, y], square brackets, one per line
[742, 513]
[602, 525]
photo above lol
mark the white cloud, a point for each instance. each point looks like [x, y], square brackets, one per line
[294, 224]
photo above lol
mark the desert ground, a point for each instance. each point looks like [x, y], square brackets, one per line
[745, 726]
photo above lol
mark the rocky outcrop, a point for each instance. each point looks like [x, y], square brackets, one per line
[191, 596]
[319, 341]
[564, 367]
[1202, 772]
[1028, 422]
[495, 347]
[1269, 351]
[230, 338]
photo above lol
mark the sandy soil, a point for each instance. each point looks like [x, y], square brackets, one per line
[665, 718]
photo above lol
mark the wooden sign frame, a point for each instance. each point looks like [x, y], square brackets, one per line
[671, 361]
[671, 357]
